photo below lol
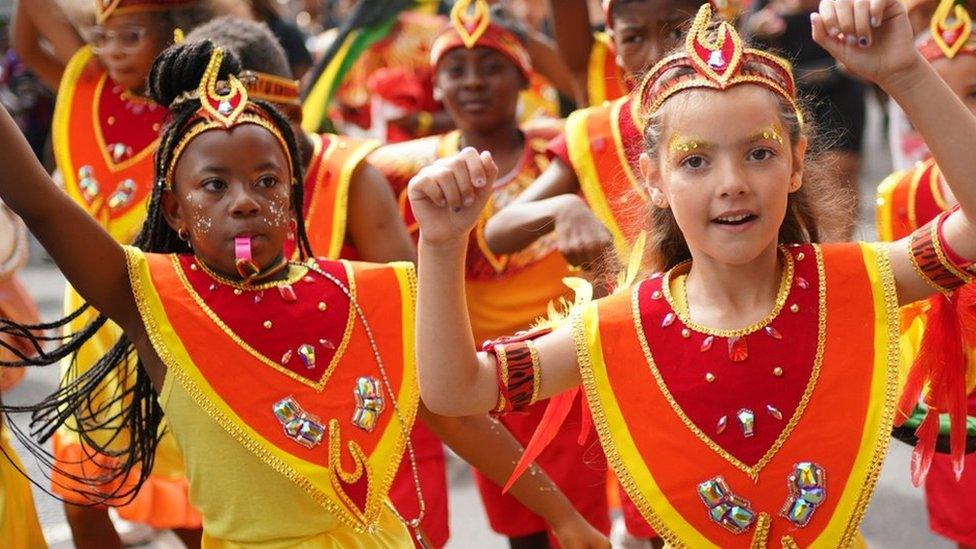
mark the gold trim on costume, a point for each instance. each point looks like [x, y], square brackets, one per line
[340, 349]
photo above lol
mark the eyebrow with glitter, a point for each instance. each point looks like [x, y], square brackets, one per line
[681, 144]
[770, 132]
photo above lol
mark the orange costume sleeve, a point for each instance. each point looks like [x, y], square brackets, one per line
[604, 78]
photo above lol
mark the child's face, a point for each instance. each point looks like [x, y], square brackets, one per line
[479, 87]
[960, 74]
[228, 185]
[126, 45]
[644, 30]
[726, 184]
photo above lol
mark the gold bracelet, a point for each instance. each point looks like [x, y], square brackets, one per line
[502, 366]
[536, 372]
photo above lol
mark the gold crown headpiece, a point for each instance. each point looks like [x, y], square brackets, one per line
[224, 105]
[107, 8]
[950, 32]
[717, 63]
[471, 26]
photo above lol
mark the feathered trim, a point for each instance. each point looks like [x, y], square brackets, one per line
[940, 371]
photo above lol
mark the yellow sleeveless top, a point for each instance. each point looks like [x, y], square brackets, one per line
[275, 512]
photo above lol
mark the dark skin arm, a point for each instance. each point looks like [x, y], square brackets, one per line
[90, 259]
[571, 22]
[489, 447]
[550, 204]
[374, 225]
[37, 19]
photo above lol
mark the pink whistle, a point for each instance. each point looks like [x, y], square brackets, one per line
[243, 259]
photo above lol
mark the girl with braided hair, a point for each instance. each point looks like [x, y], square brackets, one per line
[744, 393]
[294, 378]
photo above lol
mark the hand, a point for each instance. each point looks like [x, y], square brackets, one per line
[448, 196]
[871, 38]
[580, 236]
[577, 533]
[766, 24]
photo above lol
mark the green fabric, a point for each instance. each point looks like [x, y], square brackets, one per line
[919, 414]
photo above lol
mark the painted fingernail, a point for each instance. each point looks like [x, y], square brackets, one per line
[457, 209]
[468, 201]
[874, 22]
[863, 42]
[479, 182]
[834, 32]
[851, 39]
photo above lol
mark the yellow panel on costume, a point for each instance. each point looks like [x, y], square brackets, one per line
[19, 528]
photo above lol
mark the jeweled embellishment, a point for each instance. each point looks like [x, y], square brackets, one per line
[287, 292]
[303, 428]
[747, 421]
[802, 283]
[87, 182]
[774, 411]
[738, 349]
[724, 507]
[286, 358]
[723, 422]
[369, 403]
[307, 354]
[807, 491]
[707, 343]
[668, 319]
[123, 195]
[773, 332]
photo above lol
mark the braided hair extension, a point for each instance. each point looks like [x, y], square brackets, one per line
[366, 14]
[117, 419]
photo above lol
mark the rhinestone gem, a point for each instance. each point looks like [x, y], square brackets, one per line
[285, 358]
[738, 349]
[326, 344]
[213, 287]
[777, 371]
[238, 291]
[709, 377]
[193, 267]
[287, 292]
[668, 319]
[773, 332]
[716, 60]
[723, 422]
[685, 333]
[656, 294]
[307, 354]
[747, 421]
[258, 297]
[322, 306]
[369, 403]
[774, 411]
[794, 308]
[802, 283]
[308, 279]
[224, 108]
[267, 324]
[707, 343]
[801, 256]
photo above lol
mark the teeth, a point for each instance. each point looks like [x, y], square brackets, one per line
[734, 219]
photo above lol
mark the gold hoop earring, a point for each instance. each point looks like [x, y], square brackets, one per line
[183, 234]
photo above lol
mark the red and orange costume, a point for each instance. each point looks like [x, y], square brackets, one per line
[506, 293]
[605, 80]
[104, 138]
[906, 201]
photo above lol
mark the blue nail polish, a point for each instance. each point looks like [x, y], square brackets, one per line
[863, 42]
[457, 209]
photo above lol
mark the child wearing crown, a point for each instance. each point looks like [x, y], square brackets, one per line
[744, 393]
[908, 199]
[479, 70]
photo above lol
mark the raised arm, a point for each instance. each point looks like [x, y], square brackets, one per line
[89, 258]
[375, 225]
[35, 20]
[551, 203]
[571, 22]
[447, 198]
[885, 54]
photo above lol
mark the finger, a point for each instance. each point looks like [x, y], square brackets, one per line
[447, 184]
[862, 22]
[491, 169]
[467, 169]
[829, 18]
[844, 11]
[425, 188]
[476, 168]
[877, 12]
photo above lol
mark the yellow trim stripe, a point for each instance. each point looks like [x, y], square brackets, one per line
[596, 84]
[580, 155]
[340, 213]
[883, 214]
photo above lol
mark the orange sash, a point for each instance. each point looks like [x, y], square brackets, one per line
[909, 199]
[291, 374]
[104, 140]
[604, 79]
[647, 388]
[604, 144]
[333, 165]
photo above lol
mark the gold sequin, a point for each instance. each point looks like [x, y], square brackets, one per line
[777, 371]
[794, 308]
[267, 324]
[685, 333]
[709, 377]
[238, 291]
[322, 306]
[193, 267]
[111, 121]
[801, 256]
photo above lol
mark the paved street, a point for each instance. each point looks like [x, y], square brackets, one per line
[896, 517]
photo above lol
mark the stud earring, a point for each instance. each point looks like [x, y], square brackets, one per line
[183, 234]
